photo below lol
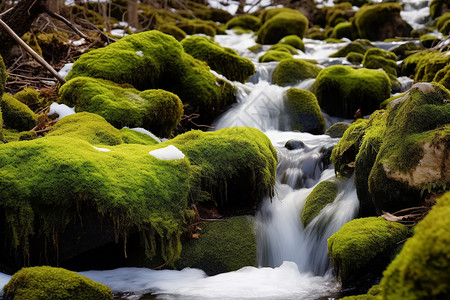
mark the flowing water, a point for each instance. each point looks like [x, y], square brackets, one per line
[293, 261]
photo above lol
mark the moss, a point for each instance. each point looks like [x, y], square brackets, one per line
[172, 30]
[436, 8]
[344, 30]
[374, 21]
[31, 40]
[291, 71]
[342, 90]
[54, 283]
[336, 14]
[324, 193]
[337, 129]
[358, 46]
[417, 124]
[304, 111]
[420, 270]
[443, 23]
[221, 247]
[428, 65]
[281, 22]
[27, 135]
[204, 12]
[274, 55]
[376, 58]
[355, 58]
[374, 293]
[404, 50]
[198, 26]
[225, 61]
[156, 110]
[134, 137]
[17, 115]
[52, 43]
[294, 41]
[344, 153]
[31, 98]
[364, 246]
[429, 41]
[284, 48]
[245, 21]
[334, 41]
[89, 14]
[239, 30]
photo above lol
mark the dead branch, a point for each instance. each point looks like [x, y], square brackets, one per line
[67, 22]
[408, 216]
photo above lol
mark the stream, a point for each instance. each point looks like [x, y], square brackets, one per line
[293, 261]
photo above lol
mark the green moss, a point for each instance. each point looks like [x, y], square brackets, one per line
[443, 23]
[336, 14]
[334, 41]
[344, 29]
[355, 58]
[426, 65]
[221, 247]
[404, 50]
[294, 41]
[204, 12]
[429, 41]
[281, 22]
[134, 137]
[89, 14]
[245, 21]
[317, 33]
[17, 115]
[274, 55]
[358, 46]
[304, 111]
[284, 48]
[225, 61]
[364, 246]
[436, 7]
[172, 30]
[376, 58]
[291, 71]
[198, 26]
[44, 282]
[337, 129]
[374, 293]
[156, 110]
[324, 193]
[27, 135]
[31, 98]
[342, 90]
[420, 270]
[373, 22]
[31, 40]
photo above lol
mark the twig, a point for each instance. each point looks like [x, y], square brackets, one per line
[67, 22]
[6, 11]
[32, 52]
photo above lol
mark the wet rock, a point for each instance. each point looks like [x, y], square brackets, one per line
[337, 130]
[294, 145]
[438, 8]
[291, 71]
[245, 21]
[324, 193]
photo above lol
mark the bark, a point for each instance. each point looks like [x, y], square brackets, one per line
[19, 19]
[132, 13]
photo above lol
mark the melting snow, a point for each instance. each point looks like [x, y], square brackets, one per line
[61, 109]
[168, 153]
[102, 149]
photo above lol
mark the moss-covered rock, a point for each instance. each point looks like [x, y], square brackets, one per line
[429, 41]
[337, 129]
[443, 23]
[31, 98]
[413, 157]
[17, 115]
[153, 59]
[284, 48]
[404, 50]
[363, 248]
[304, 111]
[130, 136]
[291, 71]
[245, 21]
[420, 270]
[344, 29]
[438, 8]
[281, 22]
[225, 61]
[381, 21]
[355, 58]
[156, 110]
[221, 247]
[275, 55]
[342, 90]
[358, 46]
[294, 41]
[338, 13]
[172, 30]
[54, 283]
[376, 58]
[198, 26]
[323, 194]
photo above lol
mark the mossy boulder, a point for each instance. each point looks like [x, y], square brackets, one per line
[294, 41]
[358, 46]
[225, 61]
[284, 48]
[31, 98]
[275, 55]
[344, 30]
[292, 71]
[130, 136]
[381, 21]
[154, 60]
[172, 30]
[337, 130]
[222, 246]
[245, 21]
[376, 58]
[362, 249]
[404, 50]
[54, 283]
[324, 193]
[355, 58]
[281, 22]
[304, 111]
[430, 41]
[420, 270]
[338, 13]
[342, 90]
[443, 23]
[438, 8]
[197, 26]
[156, 110]
[17, 115]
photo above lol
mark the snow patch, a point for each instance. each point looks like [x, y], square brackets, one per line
[102, 149]
[61, 109]
[140, 53]
[65, 70]
[167, 153]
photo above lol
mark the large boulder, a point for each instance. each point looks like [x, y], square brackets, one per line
[224, 61]
[324, 193]
[358, 46]
[222, 246]
[376, 58]
[54, 283]
[281, 22]
[342, 90]
[245, 21]
[381, 21]
[362, 249]
[291, 71]
[17, 115]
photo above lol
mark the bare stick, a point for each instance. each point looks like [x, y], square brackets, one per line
[32, 52]
[67, 22]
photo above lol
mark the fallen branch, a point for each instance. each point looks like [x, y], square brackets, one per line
[67, 22]
[32, 52]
